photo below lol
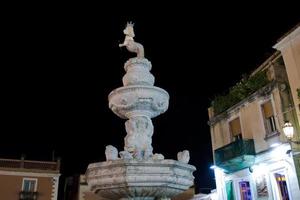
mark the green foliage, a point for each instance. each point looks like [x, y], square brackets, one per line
[240, 91]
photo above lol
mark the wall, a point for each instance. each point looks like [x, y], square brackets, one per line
[10, 187]
[251, 120]
[290, 50]
[267, 163]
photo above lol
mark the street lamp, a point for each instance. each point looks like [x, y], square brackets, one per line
[288, 131]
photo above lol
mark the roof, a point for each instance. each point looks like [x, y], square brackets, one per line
[289, 32]
[28, 165]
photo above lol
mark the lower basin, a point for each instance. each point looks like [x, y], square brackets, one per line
[134, 179]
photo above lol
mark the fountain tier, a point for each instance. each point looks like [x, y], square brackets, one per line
[139, 179]
[138, 173]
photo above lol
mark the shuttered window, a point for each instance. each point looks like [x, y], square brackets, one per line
[268, 109]
[235, 127]
[269, 118]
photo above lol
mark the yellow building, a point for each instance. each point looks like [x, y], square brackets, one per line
[252, 156]
[289, 46]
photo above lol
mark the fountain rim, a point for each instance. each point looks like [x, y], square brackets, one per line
[119, 89]
[146, 163]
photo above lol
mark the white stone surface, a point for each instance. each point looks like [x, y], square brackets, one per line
[126, 155]
[139, 174]
[183, 156]
[140, 179]
[138, 140]
[138, 101]
[129, 42]
[137, 72]
[158, 156]
[111, 152]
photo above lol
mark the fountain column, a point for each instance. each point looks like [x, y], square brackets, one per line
[138, 101]
[135, 172]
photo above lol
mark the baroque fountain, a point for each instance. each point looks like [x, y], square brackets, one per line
[135, 172]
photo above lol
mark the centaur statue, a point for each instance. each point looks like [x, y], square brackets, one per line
[129, 42]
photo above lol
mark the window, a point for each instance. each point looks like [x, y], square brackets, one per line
[29, 185]
[29, 188]
[245, 190]
[235, 129]
[269, 119]
[282, 186]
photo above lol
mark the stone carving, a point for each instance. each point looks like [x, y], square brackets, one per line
[138, 174]
[125, 155]
[158, 156]
[138, 72]
[139, 180]
[149, 101]
[183, 156]
[138, 140]
[111, 153]
[129, 42]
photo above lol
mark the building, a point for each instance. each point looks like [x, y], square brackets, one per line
[289, 46]
[27, 179]
[76, 188]
[253, 158]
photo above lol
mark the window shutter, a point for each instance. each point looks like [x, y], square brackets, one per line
[268, 109]
[235, 127]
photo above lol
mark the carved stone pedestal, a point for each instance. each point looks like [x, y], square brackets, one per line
[133, 179]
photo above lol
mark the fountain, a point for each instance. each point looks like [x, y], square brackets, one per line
[135, 172]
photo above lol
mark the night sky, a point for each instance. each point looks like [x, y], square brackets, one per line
[59, 65]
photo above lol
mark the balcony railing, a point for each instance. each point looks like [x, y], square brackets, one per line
[24, 195]
[236, 155]
[30, 164]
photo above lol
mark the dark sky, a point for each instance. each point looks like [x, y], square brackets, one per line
[59, 66]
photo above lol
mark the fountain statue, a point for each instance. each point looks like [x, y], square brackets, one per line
[138, 173]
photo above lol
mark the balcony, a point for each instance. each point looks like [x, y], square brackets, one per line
[24, 195]
[235, 156]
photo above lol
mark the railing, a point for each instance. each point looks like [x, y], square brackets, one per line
[236, 155]
[24, 195]
[29, 164]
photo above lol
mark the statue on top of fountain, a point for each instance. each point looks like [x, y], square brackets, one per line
[129, 42]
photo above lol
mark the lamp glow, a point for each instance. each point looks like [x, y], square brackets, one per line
[288, 130]
[213, 167]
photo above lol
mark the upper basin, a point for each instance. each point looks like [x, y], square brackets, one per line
[138, 100]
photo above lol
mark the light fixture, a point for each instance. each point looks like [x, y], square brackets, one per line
[288, 130]
[213, 167]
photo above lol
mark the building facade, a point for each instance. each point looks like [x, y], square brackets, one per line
[252, 156]
[28, 180]
[76, 188]
[289, 46]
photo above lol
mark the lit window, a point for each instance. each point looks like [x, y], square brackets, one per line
[245, 190]
[282, 186]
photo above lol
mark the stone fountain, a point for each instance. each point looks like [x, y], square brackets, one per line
[135, 172]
